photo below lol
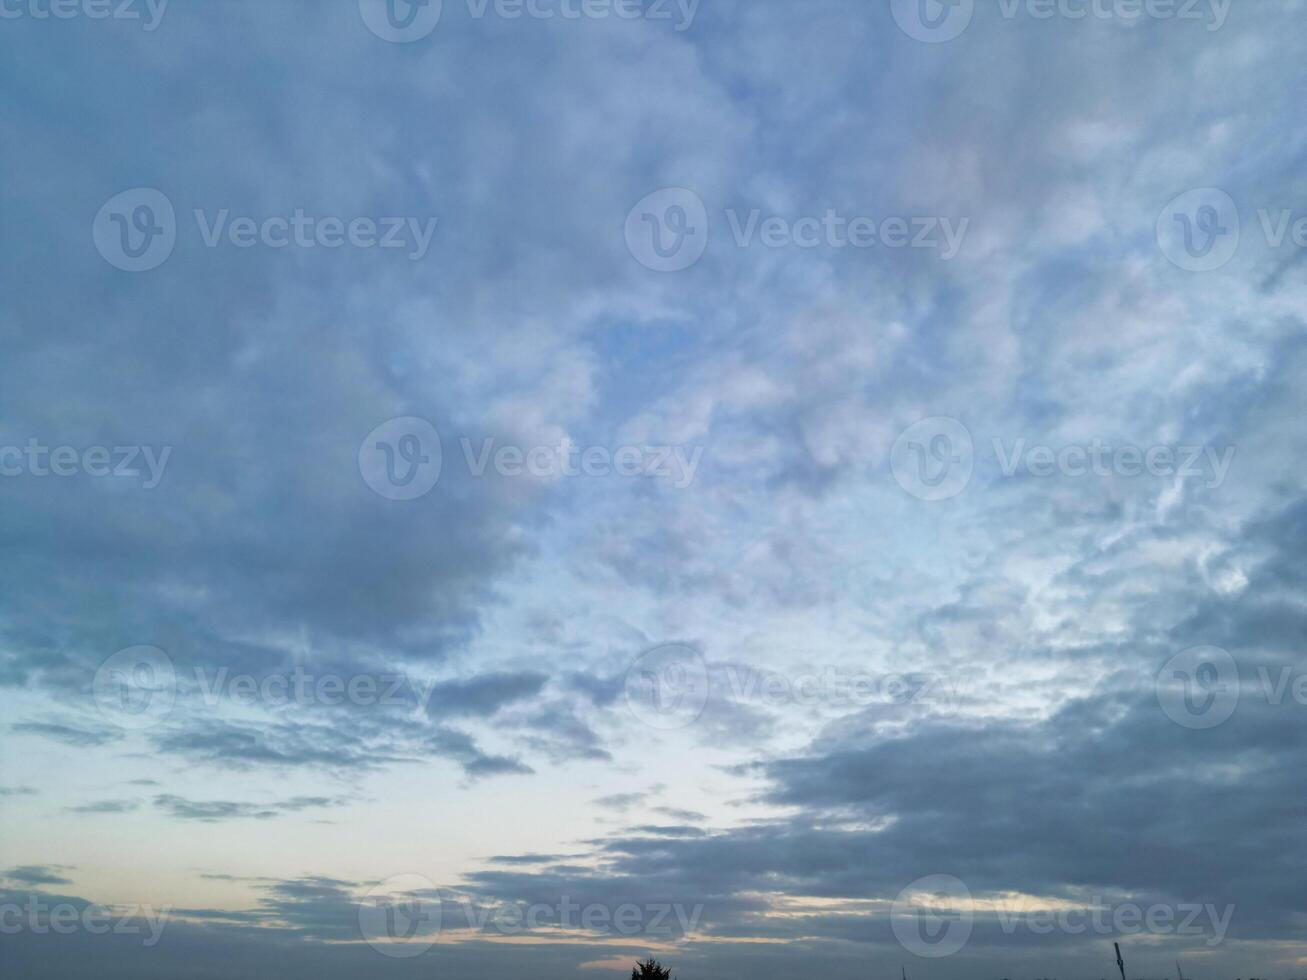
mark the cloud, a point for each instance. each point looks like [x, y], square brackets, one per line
[39, 874]
[78, 737]
[620, 801]
[212, 811]
[475, 763]
[687, 816]
[105, 807]
[484, 695]
[1039, 609]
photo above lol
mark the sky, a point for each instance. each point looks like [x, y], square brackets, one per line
[496, 488]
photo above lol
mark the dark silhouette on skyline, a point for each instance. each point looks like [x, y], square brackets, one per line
[650, 969]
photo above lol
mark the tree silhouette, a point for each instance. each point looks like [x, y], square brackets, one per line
[650, 970]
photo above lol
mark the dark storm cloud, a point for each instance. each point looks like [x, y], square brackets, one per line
[483, 696]
[263, 371]
[1094, 796]
[602, 690]
[556, 730]
[1108, 793]
[460, 747]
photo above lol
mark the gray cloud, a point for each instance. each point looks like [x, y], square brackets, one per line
[105, 807]
[211, 811]
[39, 874]
[484, 695]
[76, 736]
[1048, 603]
